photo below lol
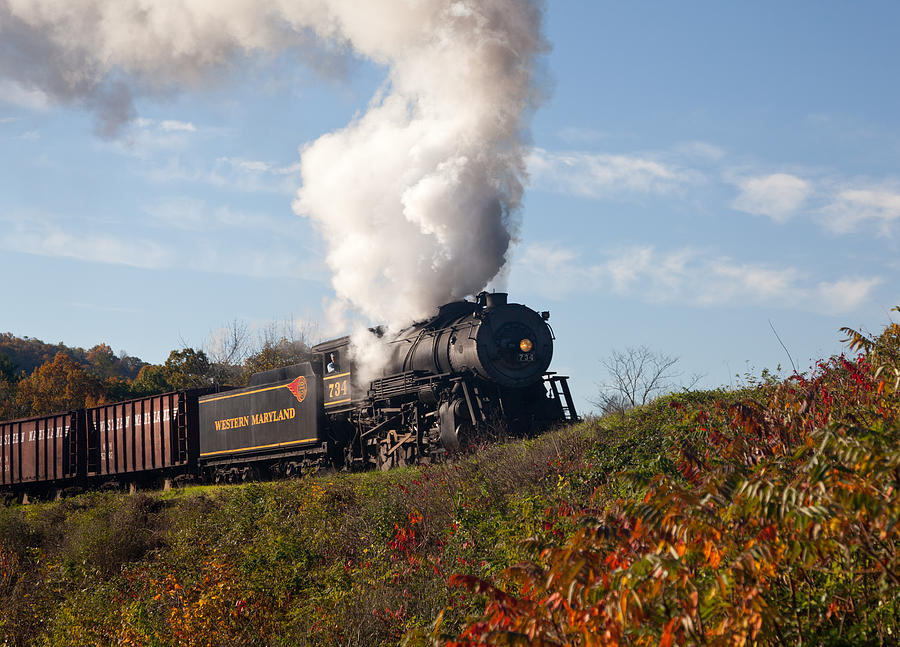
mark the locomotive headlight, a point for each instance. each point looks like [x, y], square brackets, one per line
[525, 345]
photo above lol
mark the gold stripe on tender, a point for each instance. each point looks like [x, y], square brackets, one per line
[329, 404]
[247, 449]
[331, 377]
[237, 395]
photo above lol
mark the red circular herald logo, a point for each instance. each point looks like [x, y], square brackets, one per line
[298, 388]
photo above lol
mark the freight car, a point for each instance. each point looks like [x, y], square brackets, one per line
[474, 370]
[144, 441]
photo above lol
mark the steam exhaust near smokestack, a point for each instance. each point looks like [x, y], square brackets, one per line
[417, 199]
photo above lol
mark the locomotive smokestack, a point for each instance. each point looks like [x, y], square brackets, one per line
[494, 299]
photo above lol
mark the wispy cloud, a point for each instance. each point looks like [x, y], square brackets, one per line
[849, 208]
[191, 214]
[700, 150]
[13, 94]
[689, 276]
[257, 166]
[598, 175]
[249, 176]
[44, 238]
[146, 138]
[51, 236]
[170, 125]
[778, 195]
[699, 172]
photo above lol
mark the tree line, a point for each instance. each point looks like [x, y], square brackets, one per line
[38, 378]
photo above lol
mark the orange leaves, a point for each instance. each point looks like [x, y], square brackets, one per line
[406, 538]
[216, 609]
[57, 386]
[667, 638]
[711, 554]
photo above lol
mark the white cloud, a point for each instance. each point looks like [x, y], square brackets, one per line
[689, 170]
[234, 173]
[48, 239]
[845, 295]
[145, 138]
[778, 196]
[180, 213]
[47, 235]
[246, 166]
[688, 276]
[701, 150]
[170, 125]
[598, 175]
[191, 214]
[851, 207]
[12, 93]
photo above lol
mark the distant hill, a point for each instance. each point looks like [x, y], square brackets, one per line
[24, 354]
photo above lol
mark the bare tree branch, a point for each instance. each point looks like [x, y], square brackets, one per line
[236, 351]
[637, 375]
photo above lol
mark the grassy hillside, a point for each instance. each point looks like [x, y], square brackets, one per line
[768, 515]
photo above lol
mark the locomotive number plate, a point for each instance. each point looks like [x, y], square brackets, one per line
[526, 357]
[337, 389]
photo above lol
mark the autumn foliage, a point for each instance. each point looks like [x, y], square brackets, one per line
[60, 385]
[780, 527]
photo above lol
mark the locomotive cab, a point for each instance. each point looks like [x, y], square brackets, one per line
[335, 368]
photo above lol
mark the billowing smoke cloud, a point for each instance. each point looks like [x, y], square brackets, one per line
[416, 198]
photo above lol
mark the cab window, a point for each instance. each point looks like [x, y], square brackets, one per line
[332, 361]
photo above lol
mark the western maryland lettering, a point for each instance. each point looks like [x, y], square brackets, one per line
[232, 423]
[273, 416]
[27, 438]
[278, 415]
[122, 420]
[30, 435]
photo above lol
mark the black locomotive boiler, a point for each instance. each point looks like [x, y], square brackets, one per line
[475, 370]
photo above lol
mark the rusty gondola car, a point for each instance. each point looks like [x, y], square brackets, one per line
[143, 440]
[41, 452]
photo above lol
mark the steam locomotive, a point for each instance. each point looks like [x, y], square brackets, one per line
[474, 370]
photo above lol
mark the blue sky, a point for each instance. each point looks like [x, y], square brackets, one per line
[698, 170]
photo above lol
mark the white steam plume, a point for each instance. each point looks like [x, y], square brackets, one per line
[415, 198]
